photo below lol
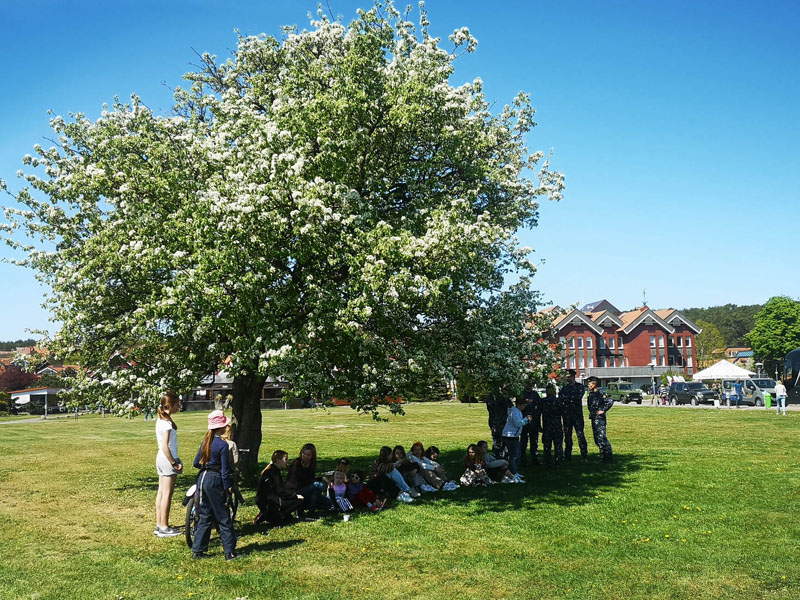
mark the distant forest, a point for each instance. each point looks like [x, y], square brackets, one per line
[732, 320]
[5, 346]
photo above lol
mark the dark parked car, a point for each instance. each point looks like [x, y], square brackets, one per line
[622, 391]
[693, 392]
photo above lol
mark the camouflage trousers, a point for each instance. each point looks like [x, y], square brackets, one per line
[574, 420]
[553, 436]
[599, 432]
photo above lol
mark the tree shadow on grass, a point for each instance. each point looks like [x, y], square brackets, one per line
[268, 546]
[149, 483]
[573, 483]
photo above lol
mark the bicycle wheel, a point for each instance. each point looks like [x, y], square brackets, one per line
[191, 522]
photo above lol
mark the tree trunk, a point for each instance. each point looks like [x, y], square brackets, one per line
[247, 416]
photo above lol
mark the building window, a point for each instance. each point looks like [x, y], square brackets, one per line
[601, 361]
[653, 357]
[580, 362]
[611, 342]
[671, 341]
[571, 362]
[652, 341]
[661, 362]
[619, 342]
[680, 342]
[564, 363]
[661, 341]
[571, 343]
[688, 342]
[602, 343]
[689, 362]
[580, 343]
[589, 343]
[590, 362]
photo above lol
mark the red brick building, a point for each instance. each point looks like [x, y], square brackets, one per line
[636, 345]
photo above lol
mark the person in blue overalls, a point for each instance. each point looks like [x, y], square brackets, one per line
[215, 481]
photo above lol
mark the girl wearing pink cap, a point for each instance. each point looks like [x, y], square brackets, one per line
[214, 480]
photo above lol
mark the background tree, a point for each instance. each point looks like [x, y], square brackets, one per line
[776, 332]
[325, 207]
[13, 378]
[732, 320]
[709, 344]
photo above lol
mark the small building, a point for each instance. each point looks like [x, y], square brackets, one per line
[37, 401]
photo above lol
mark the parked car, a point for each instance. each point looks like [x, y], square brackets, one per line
[622, 391]
[693, 392]
[754, 390]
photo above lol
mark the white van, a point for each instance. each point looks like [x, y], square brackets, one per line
[753, 388]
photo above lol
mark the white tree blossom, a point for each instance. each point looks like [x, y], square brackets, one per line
[325, 207]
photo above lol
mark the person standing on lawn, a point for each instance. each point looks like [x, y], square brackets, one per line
[511, 434]
[168, 465]
[738, 389]
[598, 405]
[530, 432]
[552, 425]
[497, 404]
[215, 482]
[571, 396]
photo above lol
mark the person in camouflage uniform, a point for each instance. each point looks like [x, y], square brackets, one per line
[571, 396]
[531, 431]
[497, 405]
[552, 427]
[599, 404]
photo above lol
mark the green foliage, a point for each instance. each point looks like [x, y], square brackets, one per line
[733, 321]
[582, 531]
[776, 332]
[709, 344]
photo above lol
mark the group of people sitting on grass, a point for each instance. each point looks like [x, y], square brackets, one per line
[393, 475]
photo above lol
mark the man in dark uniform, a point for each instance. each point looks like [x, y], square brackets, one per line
[598, 405]
[571, 396]
[534, 426]
[497, 405]
[552, 426]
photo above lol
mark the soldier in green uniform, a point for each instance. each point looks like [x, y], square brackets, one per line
[598, 405]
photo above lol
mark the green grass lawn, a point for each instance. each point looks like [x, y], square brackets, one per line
[700, 504]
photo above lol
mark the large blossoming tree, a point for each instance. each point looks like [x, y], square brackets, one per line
[325, 207]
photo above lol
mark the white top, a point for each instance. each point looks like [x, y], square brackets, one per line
[780, 389]
[163, 425]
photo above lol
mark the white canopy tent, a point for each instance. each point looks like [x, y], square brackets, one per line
[722, 370]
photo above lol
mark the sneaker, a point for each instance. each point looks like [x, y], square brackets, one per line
[196, 555]
[519, 478]
[509, 480]
[166, 532]
[427, 488]
[231, 556]
[413, 493]
[404, 497]
[449, 486]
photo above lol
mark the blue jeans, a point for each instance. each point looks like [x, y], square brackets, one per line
[212, 503]
[314, 497]
[397, 477]
[780, 403]
[513, 447]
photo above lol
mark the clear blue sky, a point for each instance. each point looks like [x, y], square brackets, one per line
[675, 122]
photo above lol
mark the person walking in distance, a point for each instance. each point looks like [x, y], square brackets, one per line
[599, 404]
[780, 398]
[571, 396]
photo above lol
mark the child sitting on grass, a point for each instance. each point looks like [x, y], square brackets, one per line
[359, 494]
[337, 492]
